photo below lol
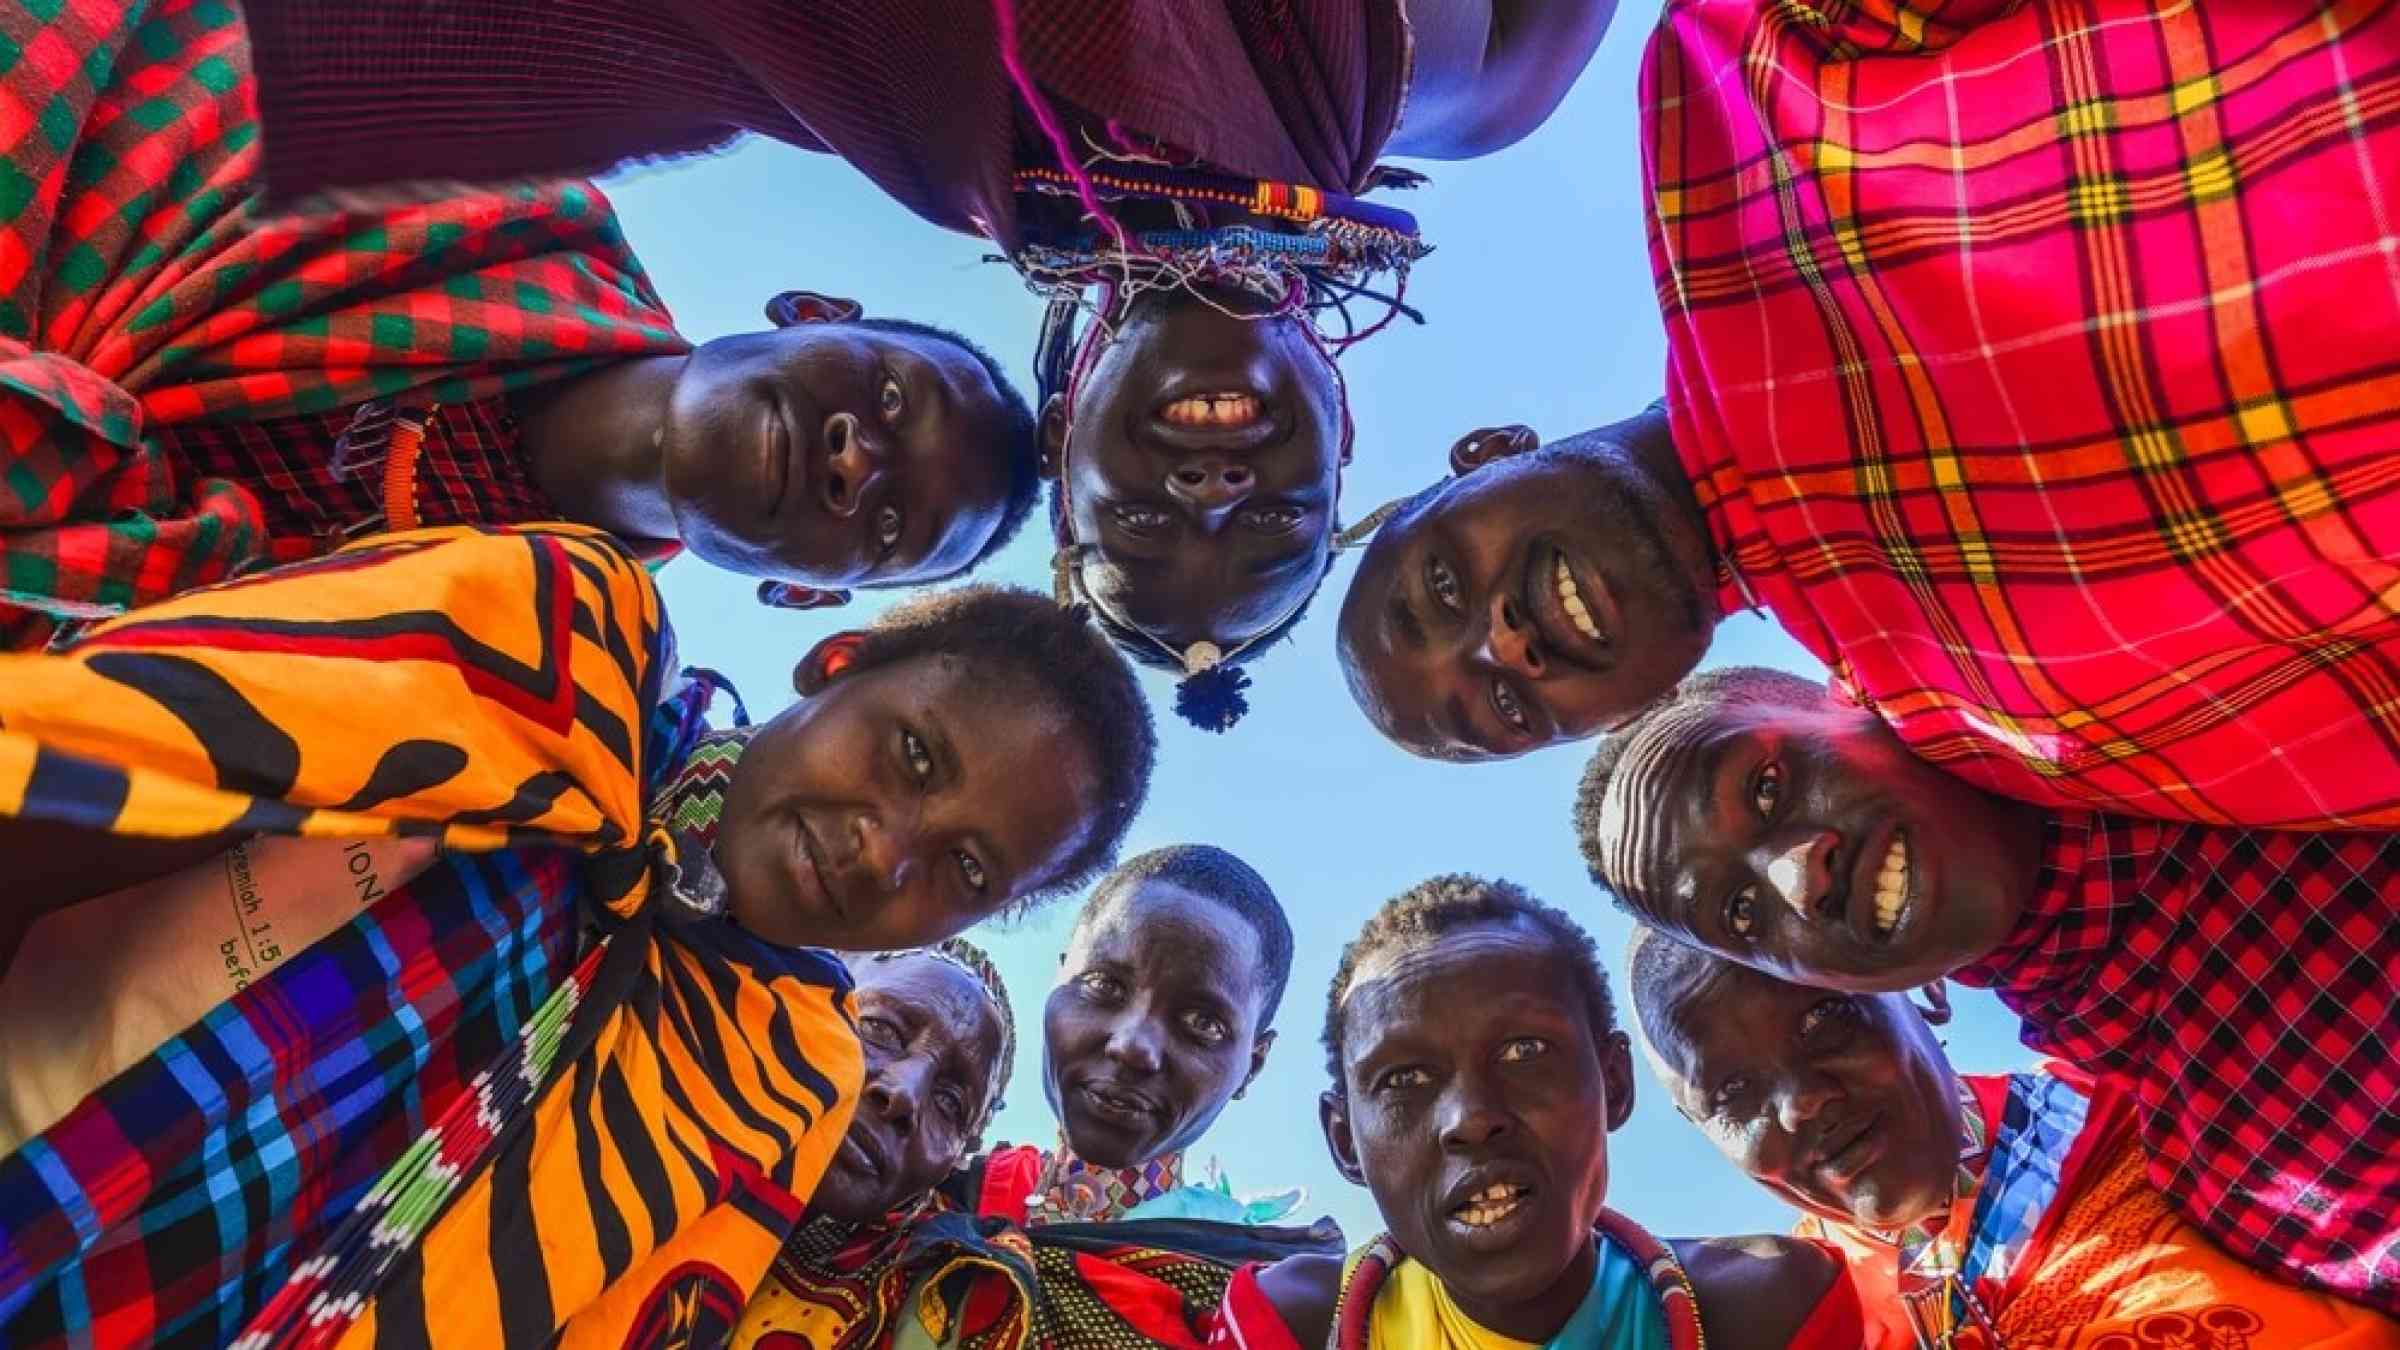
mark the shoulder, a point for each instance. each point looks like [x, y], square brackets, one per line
[1303, 1290]
[1756, 1291]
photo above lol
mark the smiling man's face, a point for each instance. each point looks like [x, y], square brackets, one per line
[1539, 597]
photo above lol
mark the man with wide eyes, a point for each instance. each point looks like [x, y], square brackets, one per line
[1985, 1210]
[2239, 980]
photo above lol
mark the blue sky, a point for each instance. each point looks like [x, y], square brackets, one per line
[1540, 311]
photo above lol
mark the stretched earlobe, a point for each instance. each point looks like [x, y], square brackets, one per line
[1935, 1008]
[1054, 436]
[825, 663]
[1486, 444]
[798, 307]
[793, 595]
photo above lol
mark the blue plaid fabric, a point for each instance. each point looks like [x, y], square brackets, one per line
[2038, 1129]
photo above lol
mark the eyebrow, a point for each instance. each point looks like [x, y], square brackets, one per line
[1279, 562]
[995, 859]
[1709, 764]
[1462, 726]
[1405, 622]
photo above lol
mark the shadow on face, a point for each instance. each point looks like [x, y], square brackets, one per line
[1539, 597]
[888, 808]
[932, 1042]
[1201, 471]
[1153, 1025]
[1841, 1104]
[1812, 845]
[833, 454]
[1476, 1104]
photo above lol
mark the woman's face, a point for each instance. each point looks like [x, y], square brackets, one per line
[1201, 471]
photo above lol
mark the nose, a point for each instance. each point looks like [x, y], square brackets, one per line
[1211, 486]
[855, 462]
[885, 845]
[1472, 1116]
[1133, 1043]
[895, 1091]
[1509, 641]
[1802, 871]
[1801, 1102]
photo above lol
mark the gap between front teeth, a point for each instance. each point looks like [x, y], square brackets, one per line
[1571, 596]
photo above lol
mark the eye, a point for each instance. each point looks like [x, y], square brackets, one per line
[1141, 519]
[887, 527]
[894, 400]
[1207, 1027]
[1828, 1022]
[1741, 912]
[1523, 1048]
[954, 1107]
[920, 759]
[1400, 1080]
[1275, 519]
[1104, 988]
[1504, 702]
[1767, 792]
[880, 1032]
[971, 872]
[1441, 582]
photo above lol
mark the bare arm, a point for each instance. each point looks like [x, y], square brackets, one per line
[1756, 1293]
[1489, 71]
[1303, 1290]
[47, 866]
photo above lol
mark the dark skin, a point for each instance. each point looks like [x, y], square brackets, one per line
[1843, 1105]
[51, 865]
[1199, 525]
[821, 453]
[1471, 1061]
[1455, 637]
[1154, 1023]
[884, 810]
[1763, 833]
[932, 1039]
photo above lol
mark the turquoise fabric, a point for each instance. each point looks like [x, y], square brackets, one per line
[1620, 1313]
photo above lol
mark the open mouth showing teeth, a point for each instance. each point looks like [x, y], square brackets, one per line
[1491, 1204]
[1891, 886]
[1570, 596]
[1212, 410]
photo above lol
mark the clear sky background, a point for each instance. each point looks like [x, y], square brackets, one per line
[1540, 310]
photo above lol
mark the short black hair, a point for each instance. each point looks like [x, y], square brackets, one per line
[1724, 687]
[1055, 650]
[1205, 869]
[1657, 963]
[1022, 448]
[1438, 905]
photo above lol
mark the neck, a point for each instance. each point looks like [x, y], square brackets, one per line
[1545, 1315]
[594, 447]
[1650, 445]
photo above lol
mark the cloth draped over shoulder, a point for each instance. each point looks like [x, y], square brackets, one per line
[945, 1276]
[2037, 364]
[2068, 1246]
[141, 288]
[912, 93]
[663, 1111]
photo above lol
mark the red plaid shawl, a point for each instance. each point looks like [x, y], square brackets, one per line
[139, 290]
[2038, 363]
[910, 92]
[2242, 983]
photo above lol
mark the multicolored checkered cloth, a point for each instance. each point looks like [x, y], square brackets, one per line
[2241, 982]
[2038, 365]
[138, 290]
[174, 1202]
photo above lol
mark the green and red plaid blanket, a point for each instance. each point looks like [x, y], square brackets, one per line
[139, 289]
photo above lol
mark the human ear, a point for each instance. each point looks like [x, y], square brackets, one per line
[1053, 435]
[1936, 1008]
[1333, 1113]
[1486, 444]
[793, 595]
[1259, 1046]
[825, 662]
[792, 308]
[1616, 1071]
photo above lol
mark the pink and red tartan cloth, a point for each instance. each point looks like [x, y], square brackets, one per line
[2038, 365]
[139, 291]
[2244, 985]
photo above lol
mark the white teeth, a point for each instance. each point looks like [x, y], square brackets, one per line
[1571, 596]
[1891, 886]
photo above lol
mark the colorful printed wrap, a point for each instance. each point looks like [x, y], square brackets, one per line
[941, 1276]
[2037, 363]
[2239, 984]
[1640, 1299]
[139, 290]
[2070, 1248]
[703, 1078]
